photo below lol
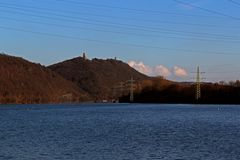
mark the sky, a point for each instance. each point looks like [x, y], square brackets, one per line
[167, 38]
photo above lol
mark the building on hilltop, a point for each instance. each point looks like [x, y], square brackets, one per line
[84, 56]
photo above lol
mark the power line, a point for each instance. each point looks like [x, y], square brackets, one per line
[114, 7]
[220, 15]
[115, 43]
[143, 26]
[127, 9]
[234, 2]
[60, 15]
[207, 10]
[231, 72]
[124, 33]
[108, 16]
[165, 31]
[85, 19]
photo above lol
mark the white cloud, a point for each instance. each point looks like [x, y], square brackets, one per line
[158, 70]
[179, 72]
[161, 70]
[141, 67]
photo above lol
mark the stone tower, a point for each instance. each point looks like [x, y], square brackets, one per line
[84, 56]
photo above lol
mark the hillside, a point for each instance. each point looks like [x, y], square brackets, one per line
[24, 82]
[80, 79]
[97, 77]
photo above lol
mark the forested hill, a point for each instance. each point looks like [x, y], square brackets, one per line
[97, 76]
[22, 81]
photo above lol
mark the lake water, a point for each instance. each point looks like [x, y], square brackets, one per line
[119, 132]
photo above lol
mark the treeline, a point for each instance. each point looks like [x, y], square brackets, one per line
[161, 91]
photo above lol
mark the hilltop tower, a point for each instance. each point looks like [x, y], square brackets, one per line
[84, 56]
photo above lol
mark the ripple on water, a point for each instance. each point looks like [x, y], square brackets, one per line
[120, 132]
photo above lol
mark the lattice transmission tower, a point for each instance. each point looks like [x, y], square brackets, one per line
[131, 85]
[198, 85]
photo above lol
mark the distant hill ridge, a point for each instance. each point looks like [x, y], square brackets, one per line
[96, 76]
[81, 80]
[74, 80]
[22, 81]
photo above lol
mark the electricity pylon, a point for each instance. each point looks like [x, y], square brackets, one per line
[198, 85]
[118, 89]
[131, 86]
[127, 87]
[131, 90]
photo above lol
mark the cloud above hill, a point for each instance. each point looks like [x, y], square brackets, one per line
[159, 70]
[141, 67]
[179, 72]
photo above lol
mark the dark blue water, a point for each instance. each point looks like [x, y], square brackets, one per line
[119, 132]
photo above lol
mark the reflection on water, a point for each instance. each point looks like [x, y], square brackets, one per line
[119, 132]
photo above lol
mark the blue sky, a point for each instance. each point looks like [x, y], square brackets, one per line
[160, 36]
